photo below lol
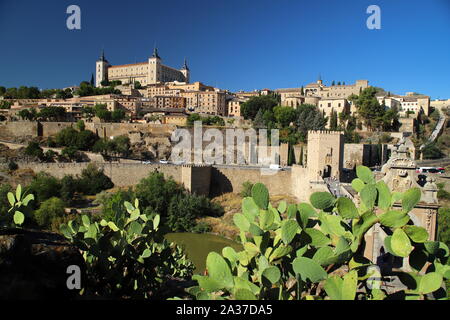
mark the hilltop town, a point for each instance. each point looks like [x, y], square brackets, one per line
[94, 148]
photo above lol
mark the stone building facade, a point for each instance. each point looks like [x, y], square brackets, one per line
[325, 155]
[149, 72]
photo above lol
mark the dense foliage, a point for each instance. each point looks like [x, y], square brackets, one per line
[126, 256]
[316, 251]
[178, 209]
[208, 121]
[373, 114]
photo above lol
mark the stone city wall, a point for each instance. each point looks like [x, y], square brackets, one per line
[202, 180]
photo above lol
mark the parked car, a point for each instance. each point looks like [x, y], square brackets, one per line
[163, 161]
[430, 170]
[275, 167]
[146, 162]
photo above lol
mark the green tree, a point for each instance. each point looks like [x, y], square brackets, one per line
[85, 140]
[309, 118]
[52, 114]
[120, 145]
[192, 118]
[155, 192]
[291, 156]
[71, 153]
[284, 115]
[69, 186]
[118, 115]
[432, 151]
[93, 180]
[369, 109]
[48, 211]
[258, 122]
[184, 209]
[80, 125]
[44, 186]
[5, 104]
[333, 120]
[33, 149]
[88, 112]
[250, 108]
[27, 114]
[67, 137]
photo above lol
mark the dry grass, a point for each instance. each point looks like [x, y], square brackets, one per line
[231, 203]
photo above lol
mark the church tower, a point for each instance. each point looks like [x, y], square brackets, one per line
[154, 68]
[185, 71]
[101, 70]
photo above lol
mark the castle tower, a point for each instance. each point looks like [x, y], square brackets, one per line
[325, 155]
[101, 70]
[185, 71]
[319, 80]
[154, 68]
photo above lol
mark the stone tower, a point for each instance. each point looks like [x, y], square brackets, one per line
[325, 154]
[154, 67]
[101, 70]
[185, 71]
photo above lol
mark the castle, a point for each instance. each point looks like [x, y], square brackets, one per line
[149, 72]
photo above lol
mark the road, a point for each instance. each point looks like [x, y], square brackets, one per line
[437, 130]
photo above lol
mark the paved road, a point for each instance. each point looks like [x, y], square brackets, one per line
[334, 187]
[437, 130]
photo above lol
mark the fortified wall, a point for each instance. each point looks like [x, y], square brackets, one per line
[26, 129]
[205, 180]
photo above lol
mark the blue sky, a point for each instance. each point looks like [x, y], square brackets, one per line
[245, 44]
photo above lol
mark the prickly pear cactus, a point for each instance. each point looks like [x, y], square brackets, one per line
[18, 202]
[315, 251]
[127, 257]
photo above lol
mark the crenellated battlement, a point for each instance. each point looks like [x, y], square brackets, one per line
[325, 132]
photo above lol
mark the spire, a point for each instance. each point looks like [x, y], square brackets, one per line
[185, 66]
[155, 53]
[102, 57]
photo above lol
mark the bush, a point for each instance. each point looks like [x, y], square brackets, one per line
[385, 138]
[178, 209]
[431, 151]
[246, 189]
[12, 166]
[71, 153]
[444, 225]
[185, 209]
[48, 211]
[45, 186]
[93, 180]
[69, 186]
[33, 149]
[113, 203]
[127, 257]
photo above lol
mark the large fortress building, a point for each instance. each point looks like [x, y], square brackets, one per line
[149, 72]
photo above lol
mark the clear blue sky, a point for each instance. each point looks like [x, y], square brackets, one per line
[245, 44]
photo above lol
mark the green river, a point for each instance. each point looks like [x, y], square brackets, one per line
[198, 245]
